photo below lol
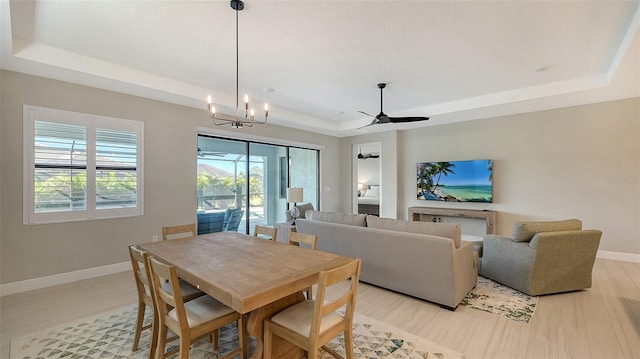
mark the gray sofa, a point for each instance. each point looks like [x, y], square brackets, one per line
[400, 255]
[542, 257]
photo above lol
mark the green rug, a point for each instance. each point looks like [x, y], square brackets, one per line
[495, 298]
[110, 335]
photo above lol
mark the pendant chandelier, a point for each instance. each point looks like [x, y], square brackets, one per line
[249, 114]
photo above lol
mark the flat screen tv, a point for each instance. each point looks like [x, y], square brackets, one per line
[455, 181]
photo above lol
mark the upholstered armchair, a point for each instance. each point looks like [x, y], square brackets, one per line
[542, 257]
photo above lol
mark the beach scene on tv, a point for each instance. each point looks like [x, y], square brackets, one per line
[455, 181]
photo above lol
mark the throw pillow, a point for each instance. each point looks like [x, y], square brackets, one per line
[524, 231]
[447, 230]
[335, 217]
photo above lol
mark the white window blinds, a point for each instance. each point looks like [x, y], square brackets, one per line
[81, 166]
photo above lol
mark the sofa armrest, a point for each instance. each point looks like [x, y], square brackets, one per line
[465, 271]
[564, 260]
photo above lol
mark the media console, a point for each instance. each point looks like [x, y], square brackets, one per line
[420, 214]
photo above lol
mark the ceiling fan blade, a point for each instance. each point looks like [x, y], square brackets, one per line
[374, 122]
[407, 119]
[364, 113]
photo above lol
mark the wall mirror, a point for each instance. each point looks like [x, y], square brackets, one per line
[367, 178]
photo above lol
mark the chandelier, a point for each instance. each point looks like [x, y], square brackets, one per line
[249, 114]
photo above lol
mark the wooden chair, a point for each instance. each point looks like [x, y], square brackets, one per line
[145, 296]
[296, 238]
[313, 323]
[180, 231]
[311, 240]
[190, 320]
[265, 232]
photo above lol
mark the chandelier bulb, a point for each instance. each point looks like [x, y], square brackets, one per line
[209, 100]
[213, 110]
[246, 98]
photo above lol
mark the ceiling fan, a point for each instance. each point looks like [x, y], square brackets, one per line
[202, 153]
[382, 118]
[364, 156]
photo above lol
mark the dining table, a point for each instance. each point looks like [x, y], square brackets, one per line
[253, 276]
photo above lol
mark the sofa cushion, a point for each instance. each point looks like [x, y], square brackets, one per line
[524, 231]
[447, 230]
[335, 217]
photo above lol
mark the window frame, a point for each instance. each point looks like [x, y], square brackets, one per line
[31, 114]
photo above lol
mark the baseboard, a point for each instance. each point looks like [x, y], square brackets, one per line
[37, 283]
[619, 256]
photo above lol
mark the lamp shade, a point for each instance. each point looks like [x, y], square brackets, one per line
[360, 186]
[294, 194]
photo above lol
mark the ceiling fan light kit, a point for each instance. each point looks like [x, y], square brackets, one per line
[382, 118]
[249, 114]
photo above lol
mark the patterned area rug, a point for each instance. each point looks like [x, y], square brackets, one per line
[110, 335]
[495, 298]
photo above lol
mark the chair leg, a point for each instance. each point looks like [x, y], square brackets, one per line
[267, 341]
[154, 337]
[185, 344]
[162, 341]
[313, 353]
[348, 342]
[139, 323]
[215, 339]
[242, 336]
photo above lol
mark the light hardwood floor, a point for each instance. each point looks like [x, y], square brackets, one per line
[601, 322]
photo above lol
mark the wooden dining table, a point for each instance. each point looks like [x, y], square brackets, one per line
[255, 277]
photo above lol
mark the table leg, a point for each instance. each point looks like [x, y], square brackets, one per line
[255, 327]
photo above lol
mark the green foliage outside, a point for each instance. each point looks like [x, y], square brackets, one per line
[62, 190]
[223, 192]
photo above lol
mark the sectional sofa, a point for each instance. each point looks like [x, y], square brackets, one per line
[422, 259]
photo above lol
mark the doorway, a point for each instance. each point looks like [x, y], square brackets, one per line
[367, 178]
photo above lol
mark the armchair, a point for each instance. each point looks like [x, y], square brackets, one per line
[542, 257]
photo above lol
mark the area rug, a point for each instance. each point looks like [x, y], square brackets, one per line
[495, 298]
[110, 335]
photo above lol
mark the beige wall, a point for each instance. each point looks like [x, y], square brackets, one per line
[169, 177]
[577, 162]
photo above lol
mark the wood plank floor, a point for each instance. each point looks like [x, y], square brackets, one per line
[602, 322]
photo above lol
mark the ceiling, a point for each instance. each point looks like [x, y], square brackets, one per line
[317, 63]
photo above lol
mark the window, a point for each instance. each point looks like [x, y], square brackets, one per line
[80, 167]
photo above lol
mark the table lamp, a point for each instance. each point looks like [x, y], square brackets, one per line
[294, 195]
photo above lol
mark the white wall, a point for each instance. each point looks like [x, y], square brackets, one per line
[35, 251]
[579, 162]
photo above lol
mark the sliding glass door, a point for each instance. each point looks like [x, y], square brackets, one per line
[249, 180]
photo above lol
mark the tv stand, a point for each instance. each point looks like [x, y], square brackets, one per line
[417, 214]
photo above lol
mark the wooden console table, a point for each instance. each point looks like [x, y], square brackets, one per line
[415, 214]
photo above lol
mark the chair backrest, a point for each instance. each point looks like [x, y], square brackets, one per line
[167, 300]
[346, 298]
[233, 222]
[265, 232]
[141, 274]
[296, 238]
[179, 231]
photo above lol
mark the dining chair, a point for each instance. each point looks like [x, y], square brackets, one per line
[145, 296]
[311, 240]
[179, 231]
[313, 323]
[296, 238]
[191, 320]
[265, 232]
